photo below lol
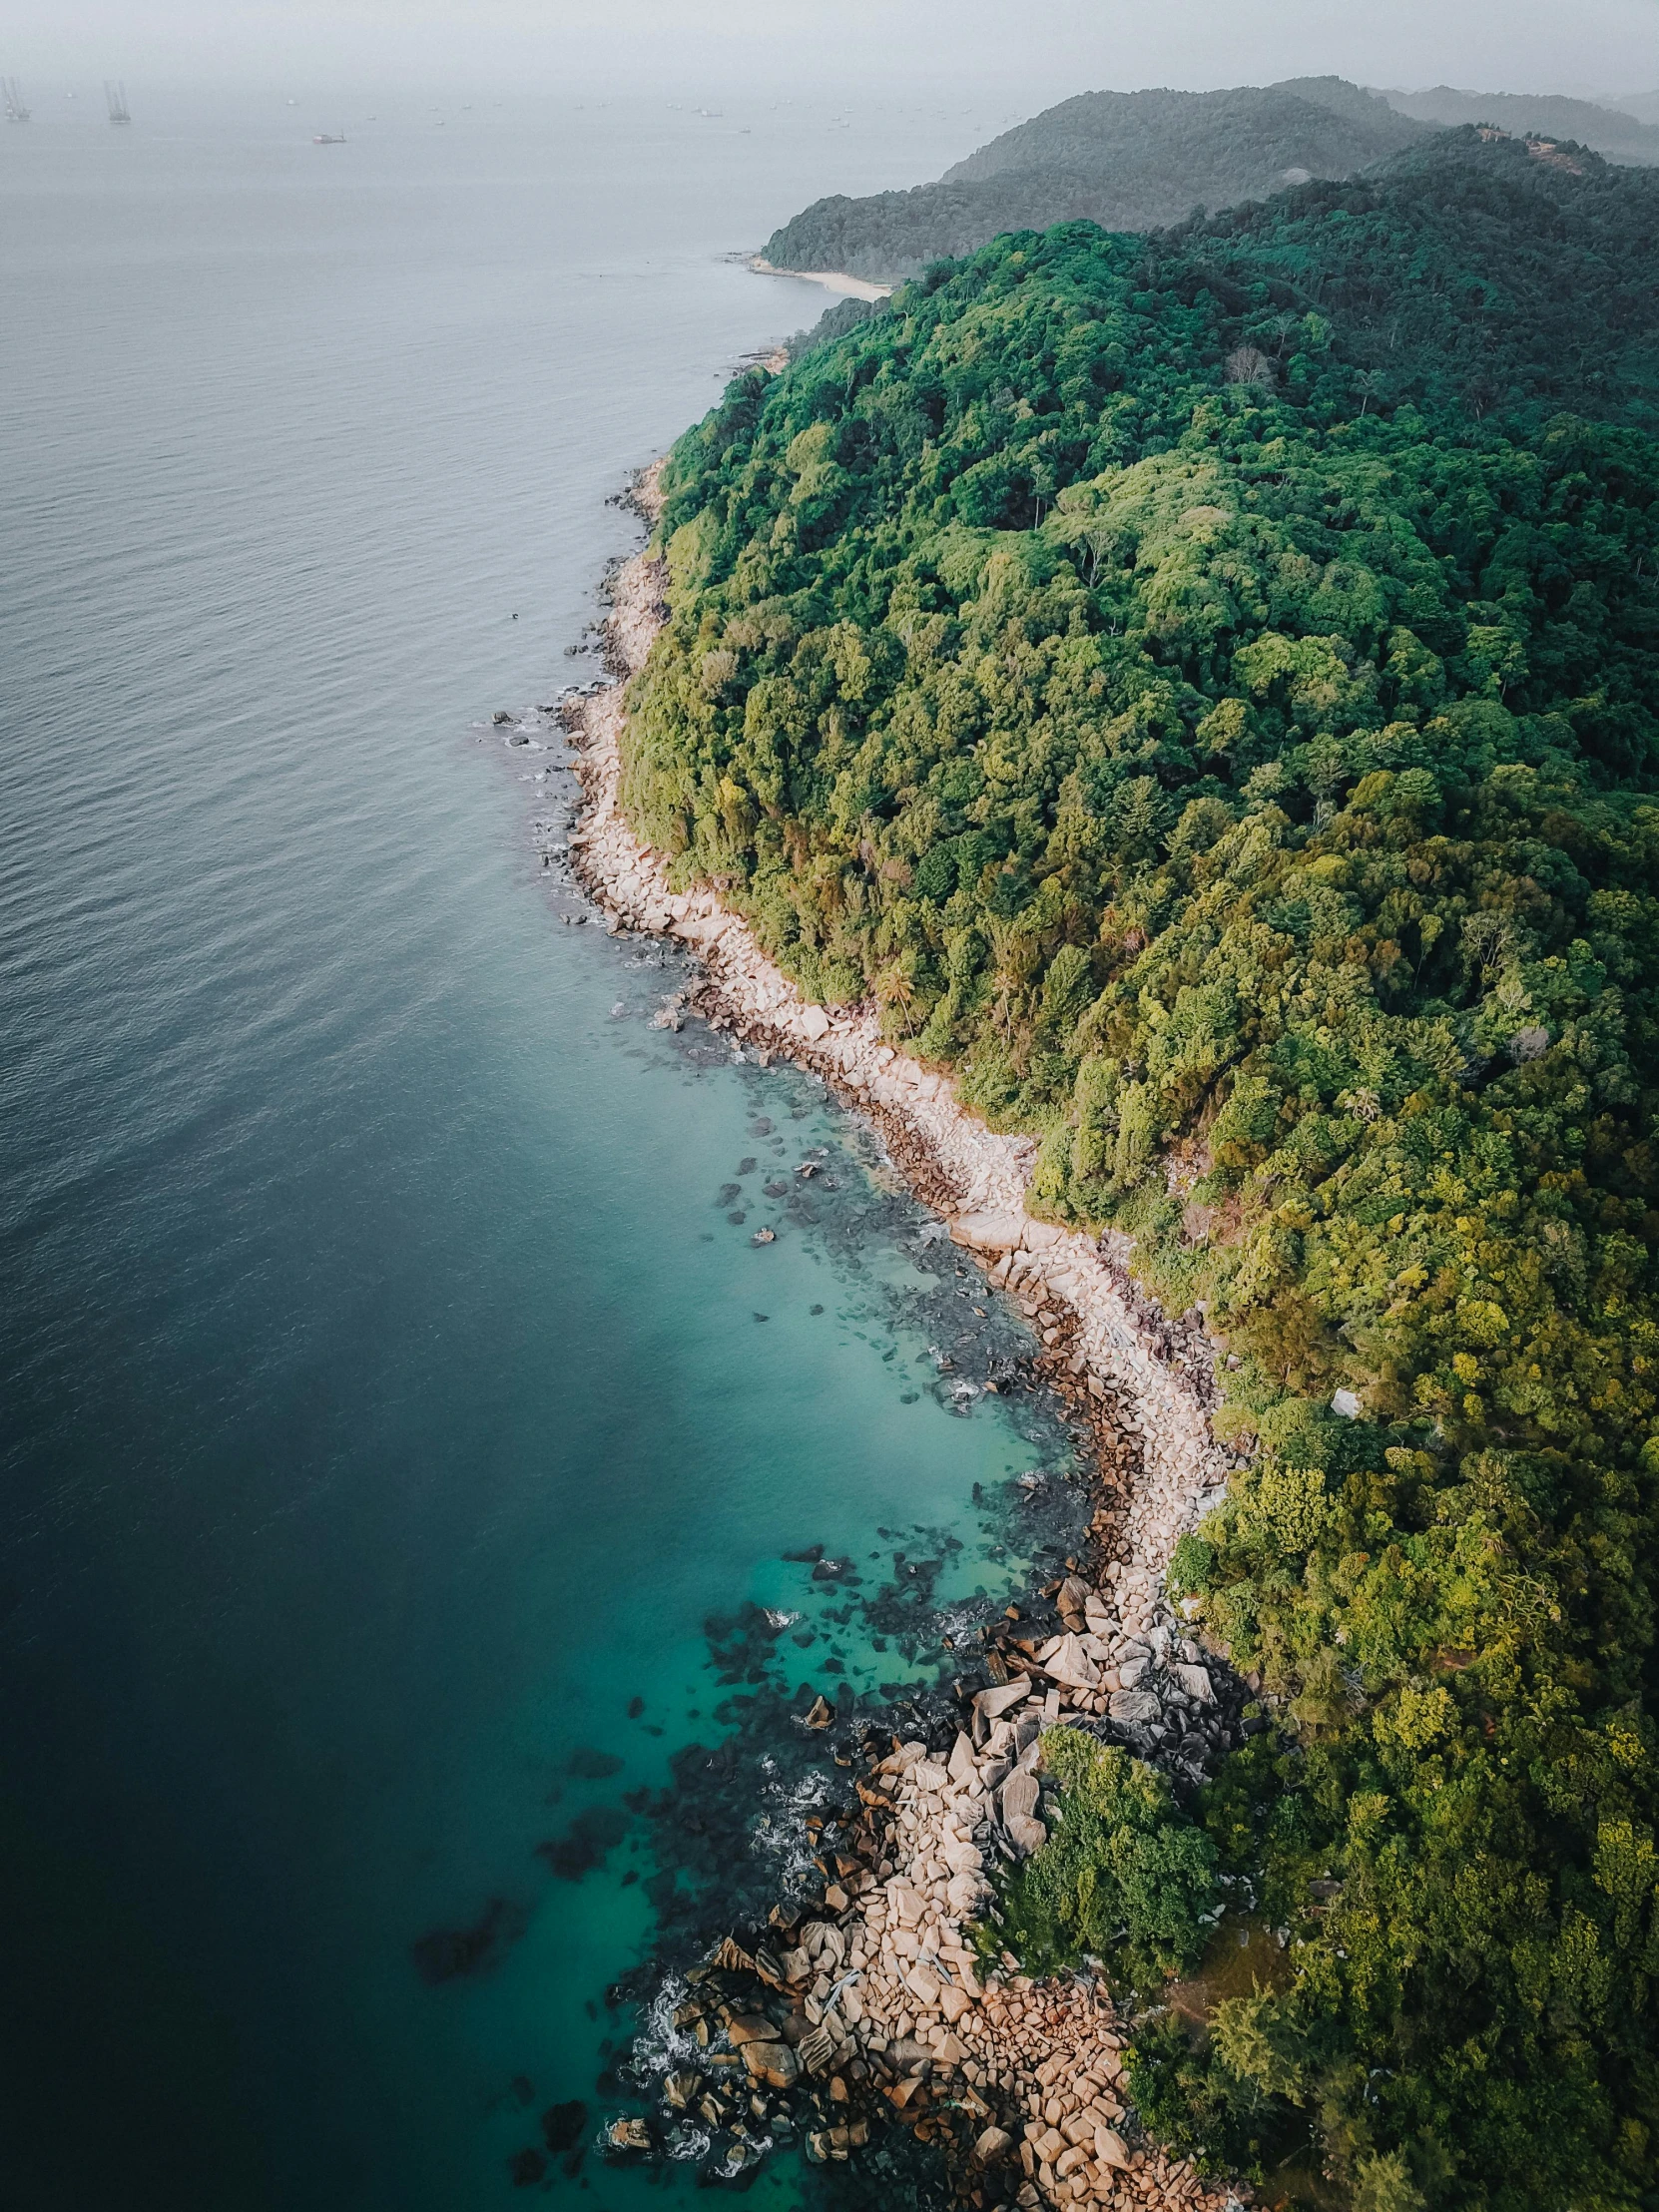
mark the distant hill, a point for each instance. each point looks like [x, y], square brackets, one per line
[1613, 132]
[1128, 160]
[1644, 106]
[1532, 274]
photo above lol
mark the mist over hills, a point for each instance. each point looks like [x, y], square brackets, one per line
[1128, 160]
[1142, 161]
[1616, 133]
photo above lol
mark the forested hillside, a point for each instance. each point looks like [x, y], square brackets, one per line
[1128, 160]
[1205, 690]
[1606, 129]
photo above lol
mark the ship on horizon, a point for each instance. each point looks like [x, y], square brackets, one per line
[330, 138]
[115, 94]
[12, 93]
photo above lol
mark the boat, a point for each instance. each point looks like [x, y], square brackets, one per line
[115, 95]
[12, 94]
[330, 138]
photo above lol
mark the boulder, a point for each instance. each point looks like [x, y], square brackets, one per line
[814, 1022]
[1001, 1698]
[629, 2135]
[748, 2027]
[774, 2064]
[681, 2087]
[923, 1984]
[994, 2144]
[1196, 1682]
[904, 1903]
[962, 1768]
[1072, 1665]
[926, 1776]
[1110, 2147]
[1134, 1707]
[989, 1232]
[1026, 1835]
[953, 2002]
[1020, 1794]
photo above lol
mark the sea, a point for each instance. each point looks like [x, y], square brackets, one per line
[402, 1663]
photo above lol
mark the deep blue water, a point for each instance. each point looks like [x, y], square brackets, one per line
[386, 1399]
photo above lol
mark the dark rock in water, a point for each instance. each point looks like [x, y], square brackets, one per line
[808, 1558]
[594, 1766]
[586, 1843]
[636, 1706]
[562, 2125]
[452, 1954]
[745, 1167]
[522, 2090]
[502, 715]
[527, 2167]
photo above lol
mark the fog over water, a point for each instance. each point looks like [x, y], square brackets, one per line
[881, 50]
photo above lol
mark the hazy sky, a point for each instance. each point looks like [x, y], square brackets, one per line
[1029, 51]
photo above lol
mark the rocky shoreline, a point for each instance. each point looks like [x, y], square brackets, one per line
[871, 2008]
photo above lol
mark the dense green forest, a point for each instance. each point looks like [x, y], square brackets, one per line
[1205, 690]
[1128, 160]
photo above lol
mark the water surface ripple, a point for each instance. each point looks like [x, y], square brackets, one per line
[388, 1405]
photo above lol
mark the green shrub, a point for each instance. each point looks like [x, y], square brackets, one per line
[1124, 1874]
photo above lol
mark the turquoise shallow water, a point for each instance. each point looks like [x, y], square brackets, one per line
[386, 1405]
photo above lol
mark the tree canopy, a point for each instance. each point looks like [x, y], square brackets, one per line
[1131, 160]
[1205, 690]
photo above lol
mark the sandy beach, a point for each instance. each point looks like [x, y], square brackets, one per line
[833, 279]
